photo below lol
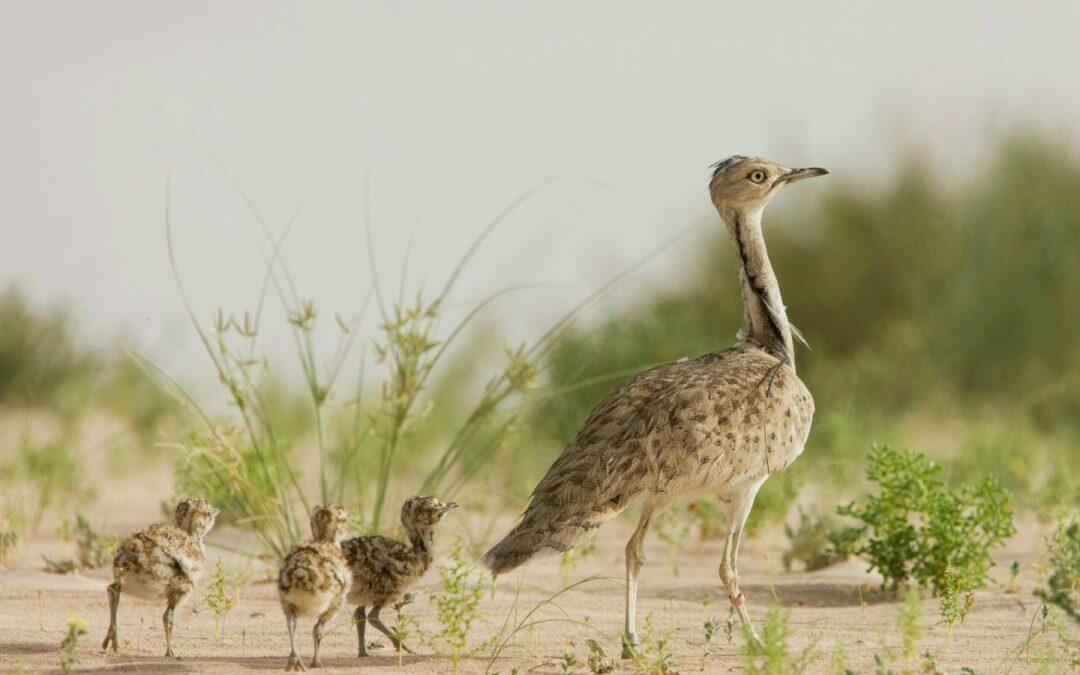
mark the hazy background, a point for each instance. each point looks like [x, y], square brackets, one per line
[449, 111]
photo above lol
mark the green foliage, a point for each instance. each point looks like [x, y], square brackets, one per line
[222, 593]
[1063, 584]
[654, 655]
[52, 471]
[817, 542]
[774, 656]
[457, 602]
[916, 527]
[907, 622]
[403, 625]
[40, 360]
[69, 648]
[12, 528]
[568, 661]
[598, 661]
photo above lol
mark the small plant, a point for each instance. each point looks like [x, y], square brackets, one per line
[710, 629]
[955, 601]
[672, 527]
[69, 648]
[12, 527]
[1014, 572]
[907, 622]
[403, 625]
[1063, 584]
[838, 665]
[598, 661]
[654, 656]
[461, 587]
[773, 656]
[219, 598]
[816, 542]
[709, 518]
[570, 559]
[568, 661]
[916, 527]
[94, 550]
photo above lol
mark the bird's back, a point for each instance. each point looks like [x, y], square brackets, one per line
[382, 568]
[693, 425]
[158, 560]
[313, 576]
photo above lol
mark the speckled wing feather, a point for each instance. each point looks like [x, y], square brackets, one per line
[382, 569]
[690, 425]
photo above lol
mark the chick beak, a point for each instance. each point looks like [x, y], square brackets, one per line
[448, 507]
[799, 174]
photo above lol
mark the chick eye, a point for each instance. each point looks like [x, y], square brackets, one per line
[757, 176]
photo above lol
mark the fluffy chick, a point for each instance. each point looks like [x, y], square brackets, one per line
[383, 568]
[162, 562]
[314, 578]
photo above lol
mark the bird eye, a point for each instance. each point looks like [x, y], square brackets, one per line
[757, 176]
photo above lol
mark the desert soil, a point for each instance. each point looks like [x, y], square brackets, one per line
[839, 604]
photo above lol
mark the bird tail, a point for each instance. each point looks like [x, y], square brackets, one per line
[547, 529]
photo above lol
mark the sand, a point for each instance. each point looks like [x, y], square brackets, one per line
[839, 604]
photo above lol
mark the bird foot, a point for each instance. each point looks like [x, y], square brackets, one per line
[294, 664]
[110, 639]
[315, 663]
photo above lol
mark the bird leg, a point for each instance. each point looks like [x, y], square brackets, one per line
[317, 635]
[361, 622]
[374, 619]
[634, 560]
[167, 621]
[114, 603]
[294, 660]
[729, 569]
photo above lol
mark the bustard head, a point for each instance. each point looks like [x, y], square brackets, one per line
[330, 523]
[422, 513]
[195, 515]
[741, 183]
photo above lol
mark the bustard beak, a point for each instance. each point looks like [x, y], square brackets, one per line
[799, 174]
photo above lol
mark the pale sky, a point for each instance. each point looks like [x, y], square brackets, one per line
[450, 110]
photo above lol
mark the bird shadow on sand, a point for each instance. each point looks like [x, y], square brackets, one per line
[26, 648]
[810, 594]
[122, 664]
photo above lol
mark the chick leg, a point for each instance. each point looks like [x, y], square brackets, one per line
[361, 624]
[294, 660]
[114, 590]
[374, 619]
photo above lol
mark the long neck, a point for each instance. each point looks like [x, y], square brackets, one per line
[422, 542]
[766, 318]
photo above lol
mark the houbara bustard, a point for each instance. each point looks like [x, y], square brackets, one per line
[717, 424]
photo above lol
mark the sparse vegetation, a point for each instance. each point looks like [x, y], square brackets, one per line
[1063, 585]
[403, 625]
[457, 602]
[916, 527]
[654, 655]
[599, 662]
[774, 656]
[222, 593]
[817, 541]
[69, 648]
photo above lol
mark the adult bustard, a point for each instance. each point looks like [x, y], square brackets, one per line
[717, 424]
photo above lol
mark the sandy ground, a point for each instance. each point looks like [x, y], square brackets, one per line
[839, 604]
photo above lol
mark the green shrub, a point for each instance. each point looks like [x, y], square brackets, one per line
[1063, 584]
[817, 542]
[457, 602]
[774, 656]
[916, 527]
